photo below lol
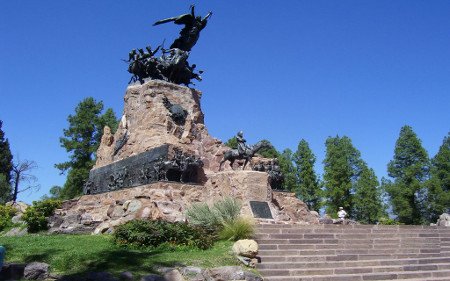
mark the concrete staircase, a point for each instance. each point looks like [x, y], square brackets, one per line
[353, 252]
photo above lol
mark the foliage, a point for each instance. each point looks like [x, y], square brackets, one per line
[156, 233]
[342, 167]
[20, 175]
[268, 152]
[227, 209]
[5, 189]
[308, 185]
[36, 215]
[438, 200]
[288, 170]
[232, 143]
[77, 254]
[240, 228]
[5, 167]
[221, 212]
[368, 206]
[409, 170]
[6, 214]
[81, 140]
[388, 221]
[202, 214]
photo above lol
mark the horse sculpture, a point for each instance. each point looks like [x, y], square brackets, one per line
[233, 154]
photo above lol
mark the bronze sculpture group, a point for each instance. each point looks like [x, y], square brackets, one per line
[172, 65]
[161, 163]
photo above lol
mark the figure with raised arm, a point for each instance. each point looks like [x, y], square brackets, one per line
[191, 30]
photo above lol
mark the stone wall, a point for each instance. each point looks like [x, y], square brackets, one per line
[168, 201]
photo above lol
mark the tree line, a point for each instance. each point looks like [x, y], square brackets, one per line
[416, 191]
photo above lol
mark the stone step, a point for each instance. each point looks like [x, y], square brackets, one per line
[311, 252]
[432, 275]
[353, 252]
[353, 270]
[407, 241]
[355, 227]
[298, 265]
[317, 258]
[297, 235]
[344, 246]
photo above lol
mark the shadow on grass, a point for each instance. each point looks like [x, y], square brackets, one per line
[120, 260]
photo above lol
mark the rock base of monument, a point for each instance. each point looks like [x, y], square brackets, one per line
[100, 213]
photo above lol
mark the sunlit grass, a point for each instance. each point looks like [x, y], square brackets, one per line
[77, 254]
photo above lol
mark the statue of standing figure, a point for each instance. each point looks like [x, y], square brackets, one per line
[191, 31]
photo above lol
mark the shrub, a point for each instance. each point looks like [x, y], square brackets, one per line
[157, 233]
[222, 212]
[388, 221]
[240, 228]
[36, 216]
[227, 209]
[6, 214]
[202, 214]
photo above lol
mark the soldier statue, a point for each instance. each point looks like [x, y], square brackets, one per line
[242, 145]
[191, 30]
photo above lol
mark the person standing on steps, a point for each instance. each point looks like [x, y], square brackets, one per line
[342, 214]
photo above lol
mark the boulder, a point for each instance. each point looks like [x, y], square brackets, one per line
[152, 277]
[192, 273]
[173, 275]
[12, 271]
[224, 273]
[444, 220]
[126, 276]
[36, 271]
[99, 276]
[16, 231]
[246, 247]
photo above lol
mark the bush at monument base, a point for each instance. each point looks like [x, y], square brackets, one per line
[156, 233]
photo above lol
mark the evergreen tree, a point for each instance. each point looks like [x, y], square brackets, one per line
[368, 206]
[81, 140]
[439, 183]
[268, 152]
[232, 143]
[308, 184]
[288, 170]
[409, 170]
[5, 190]
[342, 167]
[5, 167]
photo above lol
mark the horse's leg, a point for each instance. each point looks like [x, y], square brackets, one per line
[231, 163]
[245, 163]
[221, 163]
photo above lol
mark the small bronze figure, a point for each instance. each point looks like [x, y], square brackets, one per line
[233, 154]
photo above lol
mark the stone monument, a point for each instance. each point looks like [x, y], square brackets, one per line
[161, 159]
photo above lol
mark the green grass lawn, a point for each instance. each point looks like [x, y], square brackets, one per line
[77, 254]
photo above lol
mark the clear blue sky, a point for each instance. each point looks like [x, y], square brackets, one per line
[276, 70]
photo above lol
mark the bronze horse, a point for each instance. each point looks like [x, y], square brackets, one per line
[233, 154]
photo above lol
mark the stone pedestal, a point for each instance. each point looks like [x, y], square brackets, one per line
[148, 124]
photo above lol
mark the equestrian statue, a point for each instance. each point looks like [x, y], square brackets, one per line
[243, 151]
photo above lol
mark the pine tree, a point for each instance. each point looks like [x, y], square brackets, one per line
[308, 184]
[81, 140]
[367, 202]
[342, 167]
[409, 170]
[232, 143]
[438, 200]
[5, 167]
[288, 170]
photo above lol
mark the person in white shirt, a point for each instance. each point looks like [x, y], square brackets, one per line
[342, 213]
